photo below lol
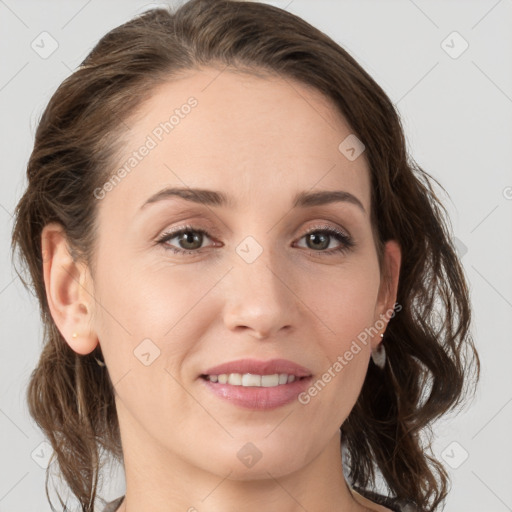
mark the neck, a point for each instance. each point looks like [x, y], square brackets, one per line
[160, 481]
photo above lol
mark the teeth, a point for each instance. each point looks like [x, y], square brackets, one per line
[235, 379]
[270, 381]
[248, 379]
[252, 380]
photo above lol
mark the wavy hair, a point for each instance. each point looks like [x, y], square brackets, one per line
[431, 353]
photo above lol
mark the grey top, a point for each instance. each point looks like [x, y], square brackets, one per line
[113, 505]
[392, 504]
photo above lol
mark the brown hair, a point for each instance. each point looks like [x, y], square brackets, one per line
[429, 345]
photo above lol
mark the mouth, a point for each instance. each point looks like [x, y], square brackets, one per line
[257, 385]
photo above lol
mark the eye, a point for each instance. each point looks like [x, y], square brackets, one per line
[189, 238]
[320, 237]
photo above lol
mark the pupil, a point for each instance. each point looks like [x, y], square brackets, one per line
[315, 236]
[186, 239]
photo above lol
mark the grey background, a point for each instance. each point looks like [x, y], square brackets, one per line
[457, 113]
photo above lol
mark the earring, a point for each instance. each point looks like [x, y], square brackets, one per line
[379, 355]
[100, 363]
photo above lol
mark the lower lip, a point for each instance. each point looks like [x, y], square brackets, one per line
[259, 398]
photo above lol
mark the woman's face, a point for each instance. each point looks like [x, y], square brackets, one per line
[246, 283]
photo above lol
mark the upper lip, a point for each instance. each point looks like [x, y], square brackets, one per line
[254, 366]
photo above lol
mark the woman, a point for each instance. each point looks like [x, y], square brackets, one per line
[180, 182]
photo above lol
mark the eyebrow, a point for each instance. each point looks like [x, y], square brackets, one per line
[218, 199]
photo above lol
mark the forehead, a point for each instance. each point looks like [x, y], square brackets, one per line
[252, 137]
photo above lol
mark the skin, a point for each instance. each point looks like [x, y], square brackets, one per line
[261, 141]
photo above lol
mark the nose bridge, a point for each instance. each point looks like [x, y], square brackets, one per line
[258, 297]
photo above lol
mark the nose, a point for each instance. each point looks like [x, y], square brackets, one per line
[260, 299]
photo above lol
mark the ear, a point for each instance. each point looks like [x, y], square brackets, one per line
[388, 289]
[68, 290]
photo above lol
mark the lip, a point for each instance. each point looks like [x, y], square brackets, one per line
[260, 367]
[259, 398]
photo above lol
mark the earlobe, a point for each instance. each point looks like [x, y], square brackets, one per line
[69, 301]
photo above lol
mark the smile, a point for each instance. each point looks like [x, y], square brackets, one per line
[255, 384]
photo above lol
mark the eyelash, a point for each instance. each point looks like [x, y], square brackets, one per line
[347, 243]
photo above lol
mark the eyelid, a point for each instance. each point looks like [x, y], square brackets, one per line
[327, 227]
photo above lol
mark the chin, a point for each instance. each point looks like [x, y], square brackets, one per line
[255, 461]
[261, 471]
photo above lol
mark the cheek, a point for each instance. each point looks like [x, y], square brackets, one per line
[335, 388]
[147, 315]
[146, 302]
[345, 300]
[146, 335]
[347, 308]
